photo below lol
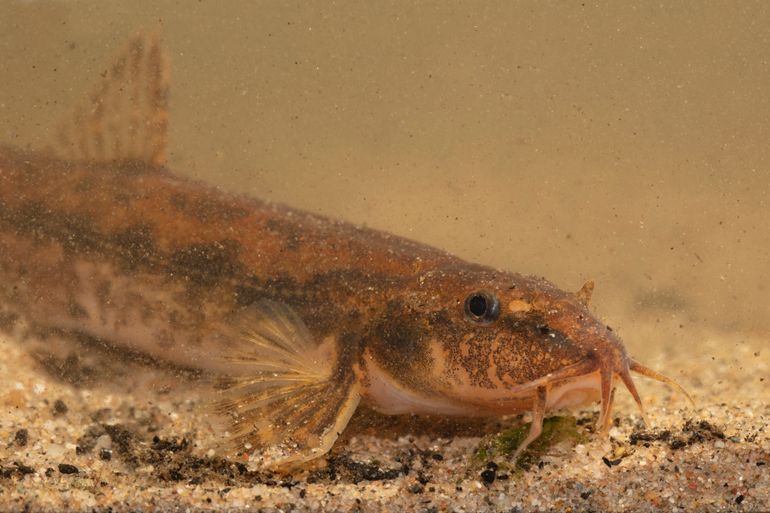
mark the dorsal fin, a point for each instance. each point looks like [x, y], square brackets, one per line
[584, 294]
[126, 116]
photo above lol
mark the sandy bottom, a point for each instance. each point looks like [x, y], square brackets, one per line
[64, 448]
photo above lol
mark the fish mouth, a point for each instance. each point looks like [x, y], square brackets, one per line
[573, 384]
[606, 359]
[623, 370]
[634, 366]
[619, 365]
[589, 374]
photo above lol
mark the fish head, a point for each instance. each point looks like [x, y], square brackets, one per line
[480, 341]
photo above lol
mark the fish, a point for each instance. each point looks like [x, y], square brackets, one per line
[295, 318]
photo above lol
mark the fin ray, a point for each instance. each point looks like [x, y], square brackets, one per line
[126, 116]
[284, 397]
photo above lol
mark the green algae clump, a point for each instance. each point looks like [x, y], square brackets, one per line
[556, 430]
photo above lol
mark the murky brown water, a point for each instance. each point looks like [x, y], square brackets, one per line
[626, 144]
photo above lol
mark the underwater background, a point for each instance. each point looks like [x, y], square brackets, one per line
[621, 142]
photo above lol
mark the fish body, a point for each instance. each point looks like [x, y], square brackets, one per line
[299, 317]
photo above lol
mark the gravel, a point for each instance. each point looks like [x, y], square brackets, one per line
[149, 448]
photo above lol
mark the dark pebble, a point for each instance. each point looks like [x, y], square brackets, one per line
[66, 468]
[21, 438]
[649, 436]
[302, 494]
[585, 495]
[121, 437]
[24, 469]
[101, 415]
[611, 463]
[172, 445]
[488, 476]
[59, 407]
[677, 444]
[105, 454]
[739, 499]
[416, 488]
[437, 456]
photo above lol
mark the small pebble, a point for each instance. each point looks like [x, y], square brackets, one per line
[59, 408]
[21, 437]
[416, 488]
[66, 468]
[677, 444]
[488, 476]
[611, 463]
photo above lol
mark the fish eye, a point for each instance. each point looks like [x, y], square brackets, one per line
[482, 307]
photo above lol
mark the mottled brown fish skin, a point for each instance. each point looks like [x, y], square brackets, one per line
[291, 318]
[220, 250]
[228, 251]
[224, 251]
[427, 322]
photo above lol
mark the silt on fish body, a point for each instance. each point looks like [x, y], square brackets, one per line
[296, 318]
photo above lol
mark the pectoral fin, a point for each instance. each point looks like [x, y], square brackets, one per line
[286, 398]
